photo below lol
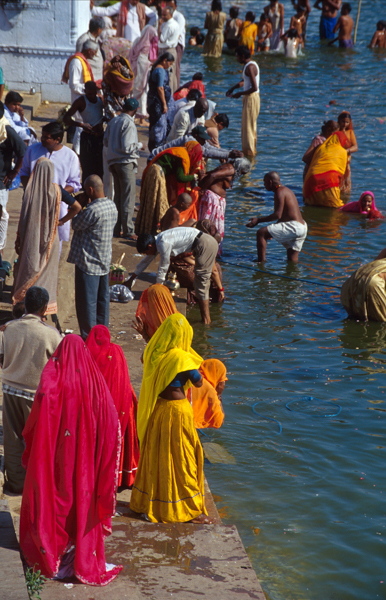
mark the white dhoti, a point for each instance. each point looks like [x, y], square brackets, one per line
[291, 234]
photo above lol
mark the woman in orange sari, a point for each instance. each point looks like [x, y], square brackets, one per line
[248, 32]
[154, 306]
[169, 174]
[328, 166]
[206, 400]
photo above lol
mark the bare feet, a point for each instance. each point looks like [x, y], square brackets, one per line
[202, 520]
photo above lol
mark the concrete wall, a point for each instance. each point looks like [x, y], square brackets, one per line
[36, 38]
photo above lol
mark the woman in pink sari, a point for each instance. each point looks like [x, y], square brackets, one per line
[142, 55]
[73, 443]
[364, 206]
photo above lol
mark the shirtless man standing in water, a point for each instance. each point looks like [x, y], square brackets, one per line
[345, 25]
[328, 17]
[290, 229]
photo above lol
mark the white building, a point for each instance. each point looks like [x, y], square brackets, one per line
[36, 38]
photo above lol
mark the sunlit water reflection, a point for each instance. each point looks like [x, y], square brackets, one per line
[315, 492]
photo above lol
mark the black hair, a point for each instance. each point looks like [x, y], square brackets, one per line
[292, 33]
[55, 130]
[91, 85]
[264, 16]
[197, 77]
[166, 55]
[243, 51]
[343, 115]
[250, 16]
[144, 241]
[234, 12]
[200, 38]
[13, 97]
[223, 119]
[18, 310]
[331, 124]
[194, 31]
[216, 5]
[346, 6]
[95, 24]
[35, 299]
[193, 95]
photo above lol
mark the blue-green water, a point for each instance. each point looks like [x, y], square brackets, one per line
[316, 491]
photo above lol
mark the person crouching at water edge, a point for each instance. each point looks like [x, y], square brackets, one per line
[169, 485]
[290, 229]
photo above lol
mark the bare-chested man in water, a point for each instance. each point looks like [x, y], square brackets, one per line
[290, 229]
[379, 38]
[328, 18]
[345, 25]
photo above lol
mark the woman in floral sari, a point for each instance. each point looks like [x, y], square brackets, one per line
[167, 176]
[328, 166]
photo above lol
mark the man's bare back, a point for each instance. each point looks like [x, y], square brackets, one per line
[286, 200]
[345, 25]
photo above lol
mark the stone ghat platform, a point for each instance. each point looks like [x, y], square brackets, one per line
[160, 561]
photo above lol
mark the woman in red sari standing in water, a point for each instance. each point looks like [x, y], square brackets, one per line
[112, 363]
[72, 451]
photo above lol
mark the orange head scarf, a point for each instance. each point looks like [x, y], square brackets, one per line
[195, 155]
[207, 407]
[155, 305]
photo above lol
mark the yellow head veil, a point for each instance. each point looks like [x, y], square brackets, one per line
[168, 353]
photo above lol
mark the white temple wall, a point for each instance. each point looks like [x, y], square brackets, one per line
[36, 38]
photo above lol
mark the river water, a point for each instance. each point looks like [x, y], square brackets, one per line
[309, 502]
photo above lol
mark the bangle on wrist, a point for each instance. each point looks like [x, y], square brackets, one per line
[221, 290]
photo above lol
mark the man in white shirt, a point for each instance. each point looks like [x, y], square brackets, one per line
[188, 118]
[168, 36]
[14, 113]
[95, 29]
[173, 242]
[179, 17]
[133, 16]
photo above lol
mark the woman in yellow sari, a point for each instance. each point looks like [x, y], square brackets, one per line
[248, 32]
[169, 485]
[324, 176]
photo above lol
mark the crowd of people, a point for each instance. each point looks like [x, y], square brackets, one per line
[65, 393]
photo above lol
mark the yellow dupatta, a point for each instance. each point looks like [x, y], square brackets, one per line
[168, 353]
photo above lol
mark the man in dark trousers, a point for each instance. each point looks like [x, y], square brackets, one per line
[91, 253]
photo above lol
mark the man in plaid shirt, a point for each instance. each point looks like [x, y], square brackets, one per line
[91, 253]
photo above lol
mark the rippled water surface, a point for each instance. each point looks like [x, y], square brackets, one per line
[309, 502]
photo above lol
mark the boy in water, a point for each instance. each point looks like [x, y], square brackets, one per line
[299, 21]
[172, 216]
[264, 32]
[290, 229]
[379, 37]
[345, 25]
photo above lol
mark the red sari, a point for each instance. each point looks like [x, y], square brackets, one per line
[112, 363]
[72, 441]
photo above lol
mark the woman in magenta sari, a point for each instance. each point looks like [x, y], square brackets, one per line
[112, 362]
[143, 53]
[73, 440]
[364, 206]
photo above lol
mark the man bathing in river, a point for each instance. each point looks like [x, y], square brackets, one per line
[328, 18]
[345, 25]
[290, 229]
